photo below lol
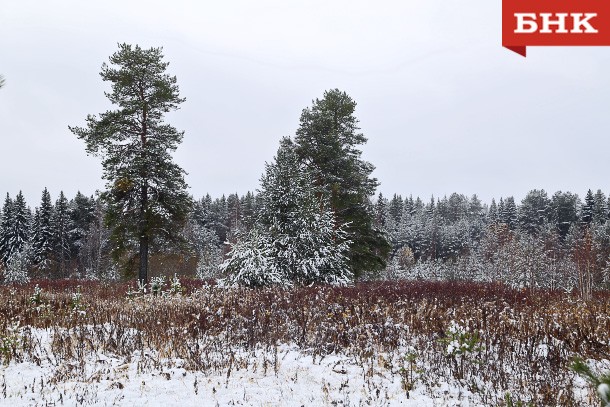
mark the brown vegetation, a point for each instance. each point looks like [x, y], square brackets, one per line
[526, 339]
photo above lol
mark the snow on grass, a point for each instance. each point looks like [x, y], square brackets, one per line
[417, 344]
[285, 377]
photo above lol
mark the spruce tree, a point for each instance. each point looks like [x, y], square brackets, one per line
[396, 207]
[476, 212]
[534, 211]
[381, 211]
[501, 211]
[19, 254]
[328, 141]
[15, 227]
[42, 232]
[145, 192]
[81, 212]
[22, 218]
[564, 210]
[6, 229]
[492, 214]
[61, 226]
[295, 239]
[588, 208]
[600, 208]
[510, 215]
[248, 208]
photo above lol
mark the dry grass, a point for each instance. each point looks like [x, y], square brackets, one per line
[526, 339]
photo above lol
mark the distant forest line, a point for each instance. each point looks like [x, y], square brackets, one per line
[558, 241]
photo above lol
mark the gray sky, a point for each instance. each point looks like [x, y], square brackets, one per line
[445, 107]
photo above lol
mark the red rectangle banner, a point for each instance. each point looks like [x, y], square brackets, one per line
[554, 22]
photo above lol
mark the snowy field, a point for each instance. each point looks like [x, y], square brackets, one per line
[417, 344]
[288, 378]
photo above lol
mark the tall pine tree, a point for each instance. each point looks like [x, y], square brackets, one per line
[327, 141]
[145, 192]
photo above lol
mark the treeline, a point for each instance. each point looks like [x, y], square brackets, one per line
[60, 239]
[70, 238]
[559, 242]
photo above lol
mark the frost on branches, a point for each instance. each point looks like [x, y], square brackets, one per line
[206, 244]
[295, 239]
[17, 266]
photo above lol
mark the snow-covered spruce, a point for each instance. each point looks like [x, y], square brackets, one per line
[207, 247]
[295, 239]
[17, 266]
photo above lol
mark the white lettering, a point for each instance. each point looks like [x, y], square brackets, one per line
[578, 23]
[547, 22]
[522, 21]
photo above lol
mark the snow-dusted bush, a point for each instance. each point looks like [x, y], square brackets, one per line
[175, 286]
[17, 267]
[157, 284]
[10, 340]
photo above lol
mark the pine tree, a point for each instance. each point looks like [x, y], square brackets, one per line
[42, 232]
[327, 142]
[146, 193]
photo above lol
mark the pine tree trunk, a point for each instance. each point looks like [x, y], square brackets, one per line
[143, 274]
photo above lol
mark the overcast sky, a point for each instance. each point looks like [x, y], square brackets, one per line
[444, 106]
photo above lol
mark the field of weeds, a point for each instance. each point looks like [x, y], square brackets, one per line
[377, 343]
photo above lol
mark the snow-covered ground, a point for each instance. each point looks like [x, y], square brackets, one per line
[298, 381]
[285, 376]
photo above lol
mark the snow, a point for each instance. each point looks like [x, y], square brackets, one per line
[604, 392]
[286, 377]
